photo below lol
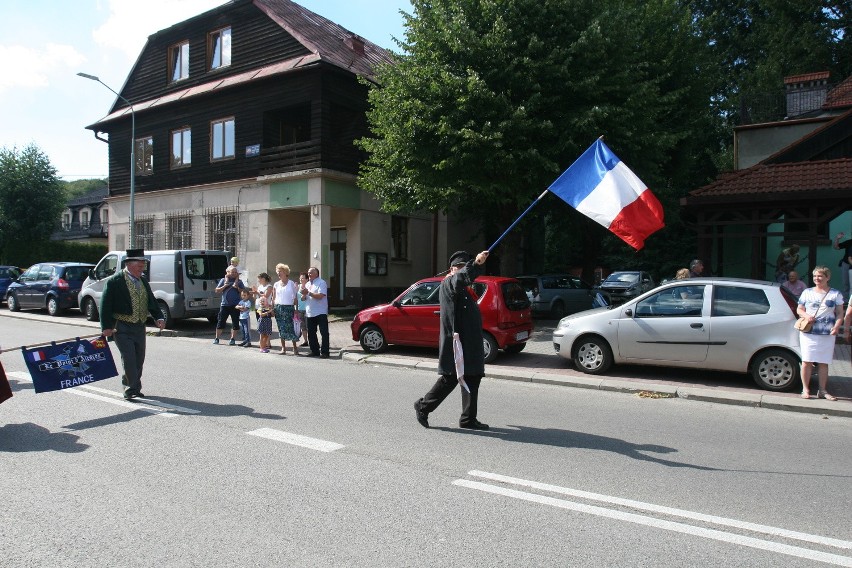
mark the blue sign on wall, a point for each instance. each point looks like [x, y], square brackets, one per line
[253, 150]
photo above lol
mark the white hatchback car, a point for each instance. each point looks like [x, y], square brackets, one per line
[723, 324]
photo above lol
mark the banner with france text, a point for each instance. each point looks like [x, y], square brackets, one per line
[77, 362]
[600, 186]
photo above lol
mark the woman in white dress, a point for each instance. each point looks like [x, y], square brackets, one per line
[823, 306]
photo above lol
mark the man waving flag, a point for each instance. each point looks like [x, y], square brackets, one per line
[601, 187]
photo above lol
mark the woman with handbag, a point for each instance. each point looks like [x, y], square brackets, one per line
[822, 308]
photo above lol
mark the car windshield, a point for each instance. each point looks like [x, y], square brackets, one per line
[627, 277]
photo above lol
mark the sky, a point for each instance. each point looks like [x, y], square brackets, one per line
[45, 43]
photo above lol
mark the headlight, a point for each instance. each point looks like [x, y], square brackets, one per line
[564, 323]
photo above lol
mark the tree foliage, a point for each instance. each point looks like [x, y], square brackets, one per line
[81, 187]
[31, 198]
[489, 100]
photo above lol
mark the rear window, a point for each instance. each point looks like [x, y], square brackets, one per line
[736, 301]
[76, 272]
[9, 272]
[515, 296]
[204, 267]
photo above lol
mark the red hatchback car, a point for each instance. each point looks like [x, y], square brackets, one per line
[414, 317]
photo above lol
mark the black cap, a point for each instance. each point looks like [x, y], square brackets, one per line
[459, 257]
[135, 254]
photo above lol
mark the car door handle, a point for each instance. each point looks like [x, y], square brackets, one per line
[437, 312]
[696, 325]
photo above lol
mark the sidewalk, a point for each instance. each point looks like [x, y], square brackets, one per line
[538, 363]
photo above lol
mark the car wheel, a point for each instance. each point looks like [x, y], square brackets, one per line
[592, 355]
[12, 303]
[53, 306]
[775, 370]
[90, 309]
[490, 347]
[372, 339]
[515, 348]
[557, 311]
[164, 309]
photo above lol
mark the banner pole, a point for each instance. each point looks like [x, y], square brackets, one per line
[50, 342]
[512, 226]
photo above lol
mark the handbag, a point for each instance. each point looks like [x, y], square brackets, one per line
[805, 326]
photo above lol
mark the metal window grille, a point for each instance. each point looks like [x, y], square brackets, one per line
[143, 232]
[179, 230]
[222, 229]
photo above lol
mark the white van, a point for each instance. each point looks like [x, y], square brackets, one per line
[183, 281]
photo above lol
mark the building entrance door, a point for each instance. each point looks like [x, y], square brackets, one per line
[337, 268]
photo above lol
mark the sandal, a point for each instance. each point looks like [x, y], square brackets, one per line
[826, 396]
[806, 394]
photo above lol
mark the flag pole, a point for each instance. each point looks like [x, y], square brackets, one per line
[512, 226]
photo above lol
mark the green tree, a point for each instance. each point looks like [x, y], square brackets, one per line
[491, 99]
[80, 187]
[31, 198]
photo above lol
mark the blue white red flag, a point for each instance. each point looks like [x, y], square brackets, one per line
[601, 187]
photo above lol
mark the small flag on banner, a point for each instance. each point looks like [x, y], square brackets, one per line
[70, 364]
[601, 187]
[5, 387]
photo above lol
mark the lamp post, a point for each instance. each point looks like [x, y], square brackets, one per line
[132, 155]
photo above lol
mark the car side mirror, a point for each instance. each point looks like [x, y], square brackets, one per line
[628, 312]
[396, 304]
[92, 273]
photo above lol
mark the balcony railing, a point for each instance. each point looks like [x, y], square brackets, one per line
[290, 158]
[780, 105]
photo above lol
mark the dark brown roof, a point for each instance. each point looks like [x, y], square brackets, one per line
[763, 180]
[327, 42]
[331, 42]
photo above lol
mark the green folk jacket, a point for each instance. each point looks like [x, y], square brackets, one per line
[116, 300]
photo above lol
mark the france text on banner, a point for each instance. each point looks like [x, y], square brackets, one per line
[64, 365]
[601, 187]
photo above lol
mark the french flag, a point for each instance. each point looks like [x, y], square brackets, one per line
[601, 187]
[37, 355]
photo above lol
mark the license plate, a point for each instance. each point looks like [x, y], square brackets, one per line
[522, 335]
[198, 304]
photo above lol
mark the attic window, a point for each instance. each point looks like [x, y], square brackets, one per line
[179, 62]
[219, 48]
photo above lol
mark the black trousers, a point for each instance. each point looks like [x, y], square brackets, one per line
[318, 322]
[443, 387]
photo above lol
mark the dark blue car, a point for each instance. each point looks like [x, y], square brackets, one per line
[7, 276]
[48, 285]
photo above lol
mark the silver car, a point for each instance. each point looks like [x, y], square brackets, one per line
[626, 284]
[723, 324]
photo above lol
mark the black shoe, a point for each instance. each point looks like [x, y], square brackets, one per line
[324, 356]
[124, 380]
[242, 343]
[475, 425]
[304, 344]
[131, 394]
[312, 354]
[422, 417]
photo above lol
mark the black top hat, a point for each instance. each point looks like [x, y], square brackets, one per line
[459, 257]
[135, 254]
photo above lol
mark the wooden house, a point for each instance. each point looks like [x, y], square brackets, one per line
[792, 186]
[245, 118]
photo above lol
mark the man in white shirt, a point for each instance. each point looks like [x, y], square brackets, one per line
[315, 294]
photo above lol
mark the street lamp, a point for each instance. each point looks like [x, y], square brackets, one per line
[132, 154]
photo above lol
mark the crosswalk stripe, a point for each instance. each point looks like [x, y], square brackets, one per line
[296, 439]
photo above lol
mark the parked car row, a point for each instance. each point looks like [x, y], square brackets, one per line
[48, 285]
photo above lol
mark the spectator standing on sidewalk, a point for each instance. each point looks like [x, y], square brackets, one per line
[315, 294]
[794, 284]
[459, 314]
[230, 287]
[823, 307]
[845, 264]
[300, 309]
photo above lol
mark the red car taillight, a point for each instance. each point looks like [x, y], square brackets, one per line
[62, 284]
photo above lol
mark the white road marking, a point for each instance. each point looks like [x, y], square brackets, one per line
[150, 401]
[711, 534]
[296, 440]
[711, 519]
[25, 377]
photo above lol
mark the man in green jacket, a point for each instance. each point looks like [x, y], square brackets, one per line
[125, 304]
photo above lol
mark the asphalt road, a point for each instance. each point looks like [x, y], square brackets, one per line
[244, 459]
